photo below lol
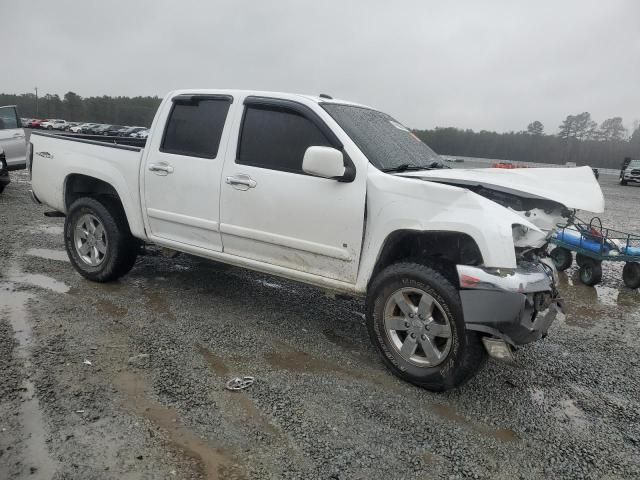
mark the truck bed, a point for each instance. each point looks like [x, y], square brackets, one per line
[56, 158]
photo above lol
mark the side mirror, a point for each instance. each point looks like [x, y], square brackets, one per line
[324, 162]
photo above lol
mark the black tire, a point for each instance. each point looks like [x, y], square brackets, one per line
[465, 355]
[582, 259]
[2, 188]
[631, 274]
[49, 127]
[561, 258]
[121, 247]
[623, 183]
[591, 272]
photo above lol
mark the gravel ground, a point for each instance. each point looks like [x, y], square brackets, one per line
[126, 380]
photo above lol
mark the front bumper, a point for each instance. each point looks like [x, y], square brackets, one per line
[517, 305]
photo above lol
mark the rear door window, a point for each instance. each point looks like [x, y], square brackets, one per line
[195, 128]
[277, 138]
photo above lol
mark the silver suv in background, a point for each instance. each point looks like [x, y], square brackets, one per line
[12, 138]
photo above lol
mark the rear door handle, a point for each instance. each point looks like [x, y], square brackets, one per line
[161, 168]
[241, 182]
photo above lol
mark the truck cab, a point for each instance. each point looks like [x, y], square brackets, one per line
[452, 264]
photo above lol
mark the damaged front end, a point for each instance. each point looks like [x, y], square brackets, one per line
[515, 306]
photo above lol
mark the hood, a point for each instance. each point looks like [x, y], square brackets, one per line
[574, 187]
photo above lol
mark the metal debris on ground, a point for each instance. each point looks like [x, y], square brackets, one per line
[87, 362]
[238, 383]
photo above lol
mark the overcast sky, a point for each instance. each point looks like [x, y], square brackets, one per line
[494, 65]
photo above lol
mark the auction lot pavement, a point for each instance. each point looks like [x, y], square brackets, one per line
[126, 380]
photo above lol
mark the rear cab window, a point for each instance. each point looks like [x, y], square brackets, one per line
[276, 138]
[195, 124]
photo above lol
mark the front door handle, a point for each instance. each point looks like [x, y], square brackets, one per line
[241, 182]
[161, 168]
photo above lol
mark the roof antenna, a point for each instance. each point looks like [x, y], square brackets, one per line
[324, 95]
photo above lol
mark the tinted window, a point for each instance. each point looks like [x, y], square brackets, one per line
[195, 129]
[8, 118]
[277, 138]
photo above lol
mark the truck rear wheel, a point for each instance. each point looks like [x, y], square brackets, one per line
[414, 318]
[98, 240]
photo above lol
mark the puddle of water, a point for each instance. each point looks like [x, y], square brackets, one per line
[41, 464]
[251, 412]
[49, 229]
[59, 255]
[214, 361]
[348, 343]
[15, 275]
[449, 413]
[214, 463]
[286, 358]
[157, 303]
[111, 309]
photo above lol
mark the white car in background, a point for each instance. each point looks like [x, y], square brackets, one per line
[54, 124]
[12, 138]
[144, 133]
[78, 128]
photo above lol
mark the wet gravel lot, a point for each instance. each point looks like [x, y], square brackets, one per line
[126, 380]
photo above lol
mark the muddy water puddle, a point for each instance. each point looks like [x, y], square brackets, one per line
[49, 254]
[214, 463]
[111, 309]
[448, 413]
[215, 362]
[589, 307]
[40, 464]
[16, 275]
[48, 229]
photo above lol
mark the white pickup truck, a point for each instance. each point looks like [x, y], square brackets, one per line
[453, 263]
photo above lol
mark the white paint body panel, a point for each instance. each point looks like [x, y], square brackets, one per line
[572, 187]
[301, 227]
[183, 206]
[299, 222]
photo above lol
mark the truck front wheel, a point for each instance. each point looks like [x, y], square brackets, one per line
[414, 317]
[98, 240]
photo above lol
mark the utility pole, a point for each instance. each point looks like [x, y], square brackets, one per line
[36, 102]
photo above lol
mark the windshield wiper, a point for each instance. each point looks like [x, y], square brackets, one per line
[403, 168]
[408, 167]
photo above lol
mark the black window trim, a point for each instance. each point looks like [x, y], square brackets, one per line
[193, 99]
[309, 114]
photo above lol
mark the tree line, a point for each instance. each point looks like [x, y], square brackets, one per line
[578, 138]
[138, 111]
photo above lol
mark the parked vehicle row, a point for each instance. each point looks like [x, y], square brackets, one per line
[87, 128]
